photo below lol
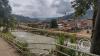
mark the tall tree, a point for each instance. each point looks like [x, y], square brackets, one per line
[81, 6]
[53, 23]
[95, 48]
[12, 23]
[5, 14]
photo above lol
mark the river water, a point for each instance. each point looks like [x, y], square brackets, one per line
[33, 38]
[41, 48]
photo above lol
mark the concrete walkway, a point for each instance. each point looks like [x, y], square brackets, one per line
[6, 49]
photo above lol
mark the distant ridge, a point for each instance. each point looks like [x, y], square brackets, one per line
[24, 19]
[88, 15]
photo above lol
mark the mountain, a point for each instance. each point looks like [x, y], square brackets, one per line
[88, 15]
[24, 19]
[68, 16]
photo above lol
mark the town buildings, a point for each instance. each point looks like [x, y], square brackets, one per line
[71, 24]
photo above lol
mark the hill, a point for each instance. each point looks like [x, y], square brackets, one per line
[88, 15]
[24, 19]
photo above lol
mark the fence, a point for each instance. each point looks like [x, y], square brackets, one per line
[18, 45]
[24, 50]
[70, 52]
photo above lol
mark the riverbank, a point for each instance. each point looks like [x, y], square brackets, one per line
[6, 49]
[20, 46]
[38, 43]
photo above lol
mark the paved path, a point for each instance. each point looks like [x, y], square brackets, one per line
[6, 49]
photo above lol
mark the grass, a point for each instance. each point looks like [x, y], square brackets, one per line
[21, 46]
[60, 41]
[7, 36]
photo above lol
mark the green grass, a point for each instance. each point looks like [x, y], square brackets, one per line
[7, 36]
[22, 46]
[60, 41]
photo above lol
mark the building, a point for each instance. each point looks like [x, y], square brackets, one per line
[71, 24]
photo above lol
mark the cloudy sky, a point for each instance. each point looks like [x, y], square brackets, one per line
[41, 8]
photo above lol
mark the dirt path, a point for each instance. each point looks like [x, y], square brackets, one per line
[6, 49]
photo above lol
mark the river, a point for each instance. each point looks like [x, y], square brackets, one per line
[41, 48]
[33, 38]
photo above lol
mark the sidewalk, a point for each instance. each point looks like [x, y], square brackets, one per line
[6, 49]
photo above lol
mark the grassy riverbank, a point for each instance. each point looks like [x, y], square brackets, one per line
[20, 46]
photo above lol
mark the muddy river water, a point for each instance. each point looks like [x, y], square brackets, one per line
[31, 38]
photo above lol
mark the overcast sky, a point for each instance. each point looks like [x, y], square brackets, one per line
[41, 8]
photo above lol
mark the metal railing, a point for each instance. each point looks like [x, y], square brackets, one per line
[74, 52]
[18, 47]
[69, 52]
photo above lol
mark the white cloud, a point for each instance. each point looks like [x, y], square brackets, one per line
[40, 8]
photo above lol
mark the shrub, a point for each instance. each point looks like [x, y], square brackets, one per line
[23, 48]
[60, 41]
[73, 38]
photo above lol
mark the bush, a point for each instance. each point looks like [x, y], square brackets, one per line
[8, 36]
[70, 52]
[23, 48]
[60, 41]
[73, 38]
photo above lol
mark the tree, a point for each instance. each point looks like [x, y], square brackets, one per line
[81, 6]
[53, 23]
[5, 14]
[95, 48]
[12, 23]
